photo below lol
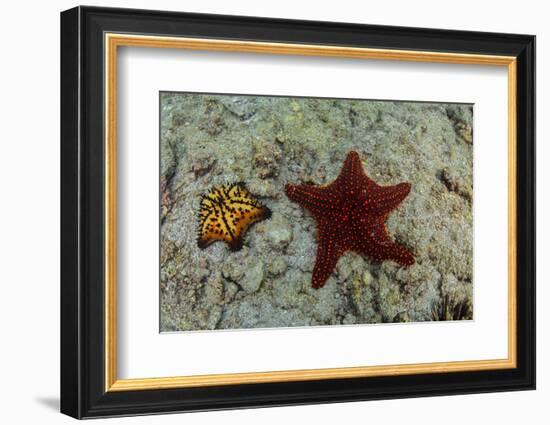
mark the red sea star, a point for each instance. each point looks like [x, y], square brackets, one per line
[351, 215]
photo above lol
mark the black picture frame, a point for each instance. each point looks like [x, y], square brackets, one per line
[83, 392]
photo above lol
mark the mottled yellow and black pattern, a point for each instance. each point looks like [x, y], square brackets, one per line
[225, 214]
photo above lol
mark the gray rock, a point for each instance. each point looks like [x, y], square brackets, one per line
[241, 106]
[231, 290]
[253, 276]
[267, 142]
[202, 163]
[461, 116]
[267, 157]
[278, 232]
[277, 266]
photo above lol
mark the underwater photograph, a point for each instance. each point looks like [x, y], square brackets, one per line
[281, 212]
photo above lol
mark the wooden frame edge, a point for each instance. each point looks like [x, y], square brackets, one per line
[114, 40]
[110, 213]
[137, 384]
[512, 212]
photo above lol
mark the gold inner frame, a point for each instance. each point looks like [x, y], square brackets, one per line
[113, 41]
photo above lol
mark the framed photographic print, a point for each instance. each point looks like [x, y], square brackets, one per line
[261, 212]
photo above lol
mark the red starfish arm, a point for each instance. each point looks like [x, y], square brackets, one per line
[313, 198]
[379, 246]
[352, 178]
[328, 253]
[383, 199]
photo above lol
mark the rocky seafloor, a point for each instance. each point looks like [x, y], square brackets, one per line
[266, 142]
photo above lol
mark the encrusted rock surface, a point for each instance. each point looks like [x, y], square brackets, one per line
[266, 142]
